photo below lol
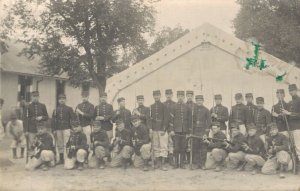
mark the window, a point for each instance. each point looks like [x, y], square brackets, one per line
[85, 87]
[25, 83]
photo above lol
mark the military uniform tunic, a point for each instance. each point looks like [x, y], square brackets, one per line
[105, 110]
[35, 109]
[222, 115]
[88, 113]
[262, 118]
[280, 122]
[61, 117]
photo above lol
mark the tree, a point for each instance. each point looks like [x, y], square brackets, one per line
[274, 23]
[87, 39]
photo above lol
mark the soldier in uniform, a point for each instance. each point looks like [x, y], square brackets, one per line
[158, 131]
[255, 151]
[123, 142]
[99, 146]
[217, 153]
[142, 111]
[293, 114]
[169, 104]
[122, 113]
[219, 113]
[181, 115]
[201, 126]
[277, 115]
[103, 113]
[278, 148]
[141, 144]
[191, 104]
[44, 149]
[61, 125]
[35, 112]
[251, 107]
[77, 147]
[236, 153]
[85, 112]
[239, 113]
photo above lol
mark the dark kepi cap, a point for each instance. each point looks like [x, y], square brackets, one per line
[189, 92]
[198, 97]
[103, 94]
[238, 96]
[35, 93]
[218, 96]
[280, 91]
[292, 87]
[119, 121]
[140, 97]
[135, 117]
[120, 99]
[260, 100]
[62, 96]
[156, 92]
[249, 95]
[168, 91]
[84, 93]
[97, 123]
[251, 126]
[180, 93]
[215, 123]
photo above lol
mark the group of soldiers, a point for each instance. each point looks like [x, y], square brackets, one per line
[173, 133]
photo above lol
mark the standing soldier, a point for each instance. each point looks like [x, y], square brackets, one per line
[251, 107]
[122, 113]
[277, 115]
[104, 112]
[239, 113]
[169, 104]
[35, 112]
[201, 126]
[85, 112]
[180, 125]
[61, 125]
[262, 118]
[191, 104]
[219, 113]
[294, 116]
[159, 131]
[142, 111]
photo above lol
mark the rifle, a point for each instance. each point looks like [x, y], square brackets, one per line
[93, 139]
[37, 149]
[70, 151]
[208, 138]
[27, 138]
[292, 146]
[191, 152]
[152, 147]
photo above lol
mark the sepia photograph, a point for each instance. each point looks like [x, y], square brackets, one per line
[134, 95]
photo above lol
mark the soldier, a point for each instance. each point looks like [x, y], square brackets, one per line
[158, 131]
[278, 148]
[217, 154]
[200, 128]
[251, 107]
[293, 113]
[169, 104]
[236, 153]
[104, 112]
[61, 125]
[35, 112]
[262, 118]
[44, 149]
[142, 111]
[180, 125]
[85, 112]
[2, 129]
[255, 151]
[77, 147]
[99, 146]
[191, 104]
[123, 142]
[277, 115]
[142, 144]
[122, 113]
[219, 113]
[239, 113]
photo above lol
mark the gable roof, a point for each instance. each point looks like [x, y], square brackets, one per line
[203, 34]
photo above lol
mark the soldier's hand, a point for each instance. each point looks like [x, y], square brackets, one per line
[214, 115]
[162, 133]
[172, 133]
[39, 118]
[225, 144]
[101, 118]
[275, 114]
[285, 112]
[73, 147]
[118, 112]
[98, 118]
[270, 151]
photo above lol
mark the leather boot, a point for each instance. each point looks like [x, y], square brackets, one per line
[14, 151]
[171, 159]
[182, 157]
[146, 168]
[22, 152]
[163, 165]
[176, 162]
[281, 174]
[61, 159]
[124, 163]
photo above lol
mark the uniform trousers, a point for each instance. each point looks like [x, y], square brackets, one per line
[160, 144]
[125, 153]
[271, 165]
[80, 157]
[145, 151]
[100, 153]
[46, 156]
[215, 157]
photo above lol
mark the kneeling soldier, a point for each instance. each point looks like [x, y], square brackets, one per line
[43, 150]
[217, 154]
[142, 145]
[254, 149]
[77, 147]
[99, 146]
[123, 141]
[278, 148]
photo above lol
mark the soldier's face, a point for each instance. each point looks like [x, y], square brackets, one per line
[77, 129]
[293, 92]
[85, 98]
[35, 98]
[62, 101]
[199, 101]
[180, 98]
[260, 105]
[136, 123]
[273, 131]
[169, 96]
[218, 101]
[251, 132]
[215, 129]
[190, 97]
[156, 97]
[41, 130]
[103, 99]
[280, 96]
[120, 126]
[140, 101]
[249, 99]
[122, 103]
[97, 128]
[238, 101]
[234, 132]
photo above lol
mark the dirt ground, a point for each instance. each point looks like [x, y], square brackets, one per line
[14, 177]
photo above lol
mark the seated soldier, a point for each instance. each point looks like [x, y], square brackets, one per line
[43, 150]
[76, 147]
[254, 149]
[142, 145]
[235, 150]
[99, 146]
[278, 147]
[217, 154]
[123, 142]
